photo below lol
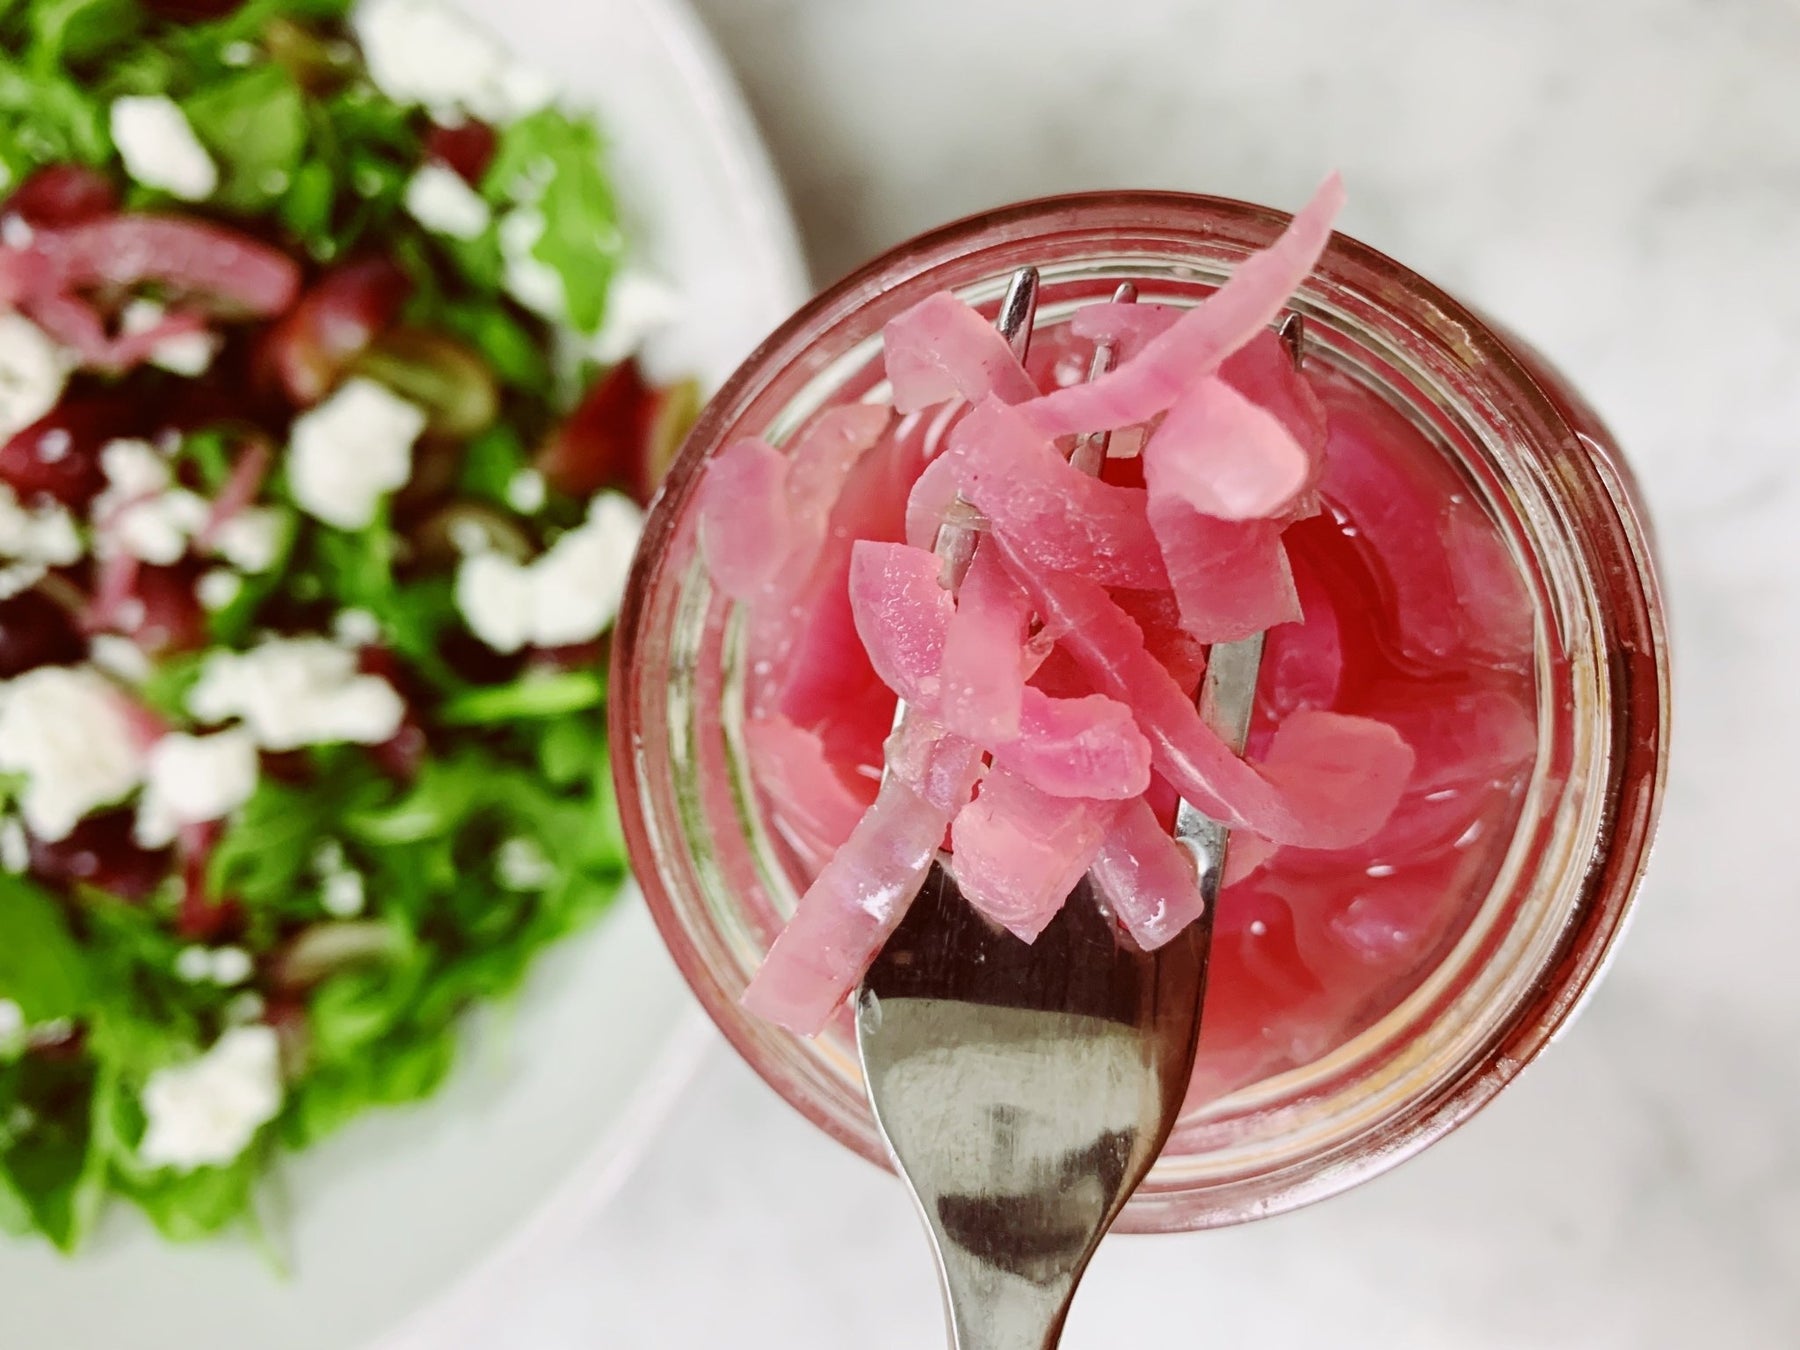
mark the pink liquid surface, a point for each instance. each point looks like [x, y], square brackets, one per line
[1415, 614]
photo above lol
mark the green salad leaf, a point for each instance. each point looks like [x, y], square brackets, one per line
[552, 164]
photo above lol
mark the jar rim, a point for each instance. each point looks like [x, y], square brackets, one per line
[1547, 414]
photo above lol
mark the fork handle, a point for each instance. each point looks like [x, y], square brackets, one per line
[991, 1309]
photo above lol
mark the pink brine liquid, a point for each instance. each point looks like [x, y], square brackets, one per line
[1415, 614]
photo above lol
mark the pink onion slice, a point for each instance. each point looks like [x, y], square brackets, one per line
[1017, 852]
[1361, 765]
[848, 912]
[1203, 337]
[1127, 327]
[942, 348]
[1225, 456]
[940, 767]
[1231, 578]
[983, 669]
[823, 456]
[1050, 511]
[744, 526]
[1147, 878]
[1078, 747]
[902, 615]
[819, 805]
[233, 271]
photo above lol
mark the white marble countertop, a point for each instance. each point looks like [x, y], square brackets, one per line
[1620, 181]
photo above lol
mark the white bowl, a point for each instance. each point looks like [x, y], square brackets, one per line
[406, 1214]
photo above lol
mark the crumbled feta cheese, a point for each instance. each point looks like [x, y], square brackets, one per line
[192, 779]
[32, 542]
[15, 847]
[15, 231]
[237, 54]
[12, 1029]
[218, 588]
[581, 580]
[439, 199]
[343, 894]
[638, 304]
[494, 593]
[526, 492]
[119, 657]
[33, 371]
[160, 149]
[328, 857]
[527, 278]
[134, 469]
[246, 1008]
[251, 539]
[157, 530]
[297, 691]
[351, 451]
[520, 865]
[63, 728]
[189, 354]
[231, 966]
[193, 965]
[206, 1112]
[423, 51]
[570, 594]
[140, 512]
[356, 628]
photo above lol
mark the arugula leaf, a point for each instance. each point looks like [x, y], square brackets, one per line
[555, 164]
[534, 696]
[51, 1166]
[42, 967]
[255, 125]
[70, 31]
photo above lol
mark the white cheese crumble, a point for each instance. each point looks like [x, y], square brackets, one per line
[231, 966]
[140, 512]
[223, 966]
[160, 149]
[120, 658]
[355, 628]
[15, 847]
[343, 895]
[351, 451]
[292, 692]
[570, 594]
[251, 539]
[425, 52]
[218, 588]
[33, 371]
[439, 199]
[520, 865]
[32, 542]
[189, 354]
[527, 278]
[638, 305]
[63, 728]
[206, 1112]
[192, 779]
[193, 965]
[526, 492]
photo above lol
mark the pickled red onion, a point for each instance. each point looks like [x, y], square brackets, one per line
[1202, 338]
[941, 349]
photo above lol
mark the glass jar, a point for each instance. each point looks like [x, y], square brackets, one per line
[1529, 449]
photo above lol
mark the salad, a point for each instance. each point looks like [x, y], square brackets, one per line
[322, 459]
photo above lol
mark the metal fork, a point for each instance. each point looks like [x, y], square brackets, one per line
[1025, 1089]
